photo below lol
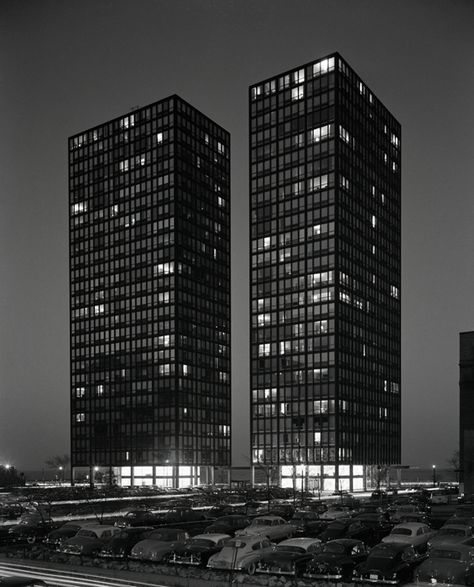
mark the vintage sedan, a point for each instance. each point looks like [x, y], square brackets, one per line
[336, 512]
[140, 517]
[158, 545]
[273, 527]
[452, 534]
[289, 557]
[447, 564]
[197, 550]
[121, 544]
[336, 560]
[418, 535]
[241, 553]
[228, 524]
[56, 537]
[387, 563]
[307, 523]
[377, 522]
[88, 540]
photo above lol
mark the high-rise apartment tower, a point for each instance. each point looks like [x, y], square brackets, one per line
[324, 277]
[150, 297]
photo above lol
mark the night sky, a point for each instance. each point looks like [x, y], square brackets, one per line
[68, 65]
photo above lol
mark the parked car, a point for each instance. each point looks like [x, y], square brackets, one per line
[241, 553]
[451, 534]
[417, 535]
[89, 540]
[228, 524]
[335, 512]
[28, 532]
[273, 527]
[56, 537]
[336, 560]
[416, 517]
[120, 545]
[140, 517]
[192, 521]
[397, 511]
[348, 529]
[378, 522]
[197, 550]
[307, 523]
[460, 519]
[158, 545]
[447, 563]
[388, 563]
[379, 494]
[289, 557]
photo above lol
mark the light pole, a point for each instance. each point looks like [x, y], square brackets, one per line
[60, 474]
[434, 475]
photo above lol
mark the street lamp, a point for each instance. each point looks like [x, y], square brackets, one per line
[434, 475]
[60, 473]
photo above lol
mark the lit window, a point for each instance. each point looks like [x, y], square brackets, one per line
[284, 81]
[318, 183]
[128, 121]
[220, 148]
[256, 92]
[79, 208]
[395, 140]
[163, 269]
[164, 340]
[80, 392]
[198, 161]
[361, 88]
[317, 438]
[394, 292]
[373, 221]
[321, 278]
[269, 87]
[159, 138]
[344, 182]
[323, 66]
[80, 417]
[344, 297]
[320, 133]
[385, 158]
[114, 210]
[164, 297]
[123, 165]
[297, 93]
[100, 390]
[140, 160]
[99, 309]
[298, 76]
[264, 350]
[263, 319]
[186, 370]
[345, 136]
[206, 138]
[321, 327]
[394, 167]
[164, 369]
[220, 202]
[320, 374]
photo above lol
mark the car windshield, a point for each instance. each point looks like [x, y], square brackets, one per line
[403, 531]
[451, 532]
[201, 542]
[296, 549]
[261, 522]
[443, 553]
[87, 533]
[164, 536]
[334, 547]
[382, 552]
[236, 543]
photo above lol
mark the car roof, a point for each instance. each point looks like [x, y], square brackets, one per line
[412, 525]
[299, 541]
[346, 541]
[270, 517]
[215, 536]
[391, 546]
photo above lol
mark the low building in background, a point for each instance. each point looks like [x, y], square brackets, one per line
[466, 411]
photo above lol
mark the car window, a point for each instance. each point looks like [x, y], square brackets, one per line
[256, 546]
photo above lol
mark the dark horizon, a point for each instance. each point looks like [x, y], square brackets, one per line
[70, 66]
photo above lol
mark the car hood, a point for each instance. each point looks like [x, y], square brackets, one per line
[444, 571]
[152, 546]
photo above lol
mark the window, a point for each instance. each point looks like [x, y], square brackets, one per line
[99, 309]
[374, 221]
[164, 340]
[164, 369]
[297, 93]
[323, 66]
[264, 350]
[220, 148]
[256, 92]
[344, 182]
[100, 390]
[80, 392]
[220, 202]
[344, 134]
[318, 183]
[298, 76]
[123, 165]
[81, 417]
[79, 208]
[163, 269]
[263, 319]
[394, 292]
[395, 140]
[317, 438]
[320, 133]
[159, 138]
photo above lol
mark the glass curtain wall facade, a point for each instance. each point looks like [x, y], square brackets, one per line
[325, 195]
[150, 297]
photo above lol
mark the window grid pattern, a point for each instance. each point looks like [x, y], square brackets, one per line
[325, 263]
[141, 303]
